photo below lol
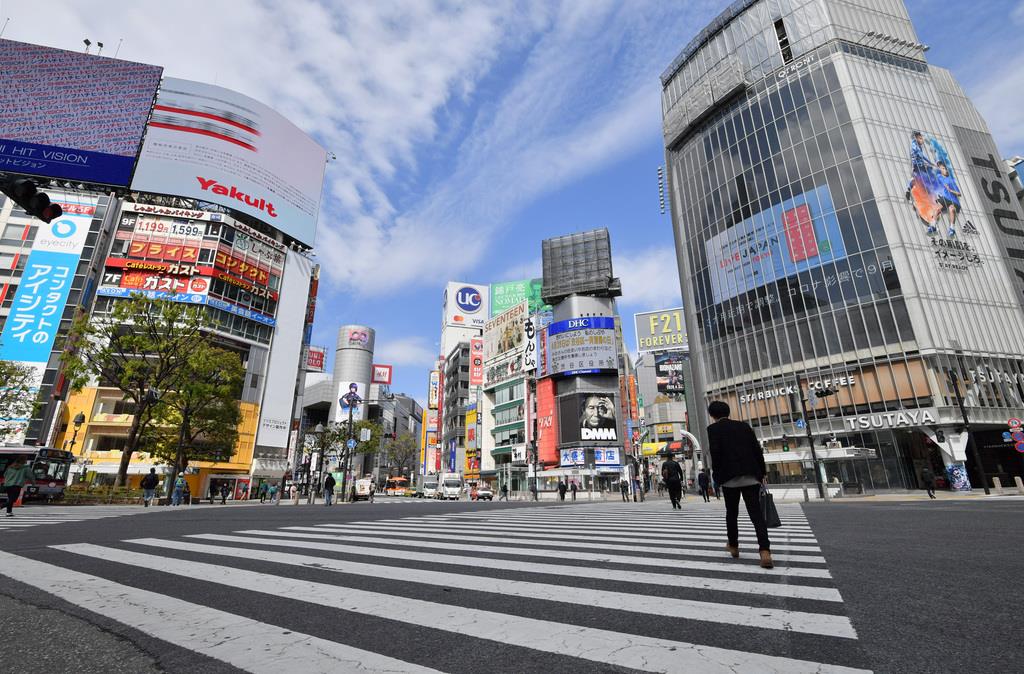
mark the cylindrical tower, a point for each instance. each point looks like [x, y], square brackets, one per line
[353, 365]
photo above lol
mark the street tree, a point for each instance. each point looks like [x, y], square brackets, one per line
[142, 348]
[402, 452]
[198, 419]
[18, 391]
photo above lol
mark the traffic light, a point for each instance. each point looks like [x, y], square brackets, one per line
[25, 193]
[940, 435]
[785, 443]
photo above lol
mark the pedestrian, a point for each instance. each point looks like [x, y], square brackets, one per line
[243, 491]
[262, 491]
[329, 483]
[624, 488]
[186, 495]
[738, 461]
[272, 493]
[703, 483]
[17, 475]
[212, 493]
[562, 488]
[224, 491]
[504, 493]
[572, 487]
[533, 490]
[148, 485]
[928, 478]
[179, 490]
[716, 488]
[672, 474]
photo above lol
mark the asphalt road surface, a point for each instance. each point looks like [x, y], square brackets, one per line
[495, 587]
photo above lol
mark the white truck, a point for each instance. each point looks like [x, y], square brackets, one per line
[450, 487]
[428, 488]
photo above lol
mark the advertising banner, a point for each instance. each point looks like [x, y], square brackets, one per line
[423, 443]
[476, 361]
[795, 235]
[350, 397]
[37, 308]
[433, 389]
[465, 305]
[670, 374]
[581, 346]
[381, 374]
[72, 115]
[530, 344]
[316, 357]
[214, 144]
[588, 417]
[572, 457]
[285, 353]
[503, 335]
[662, 330]
[471, 427]
[499, 372]
[547, 422]
[506, 295]
[452, 453]
[609, 456]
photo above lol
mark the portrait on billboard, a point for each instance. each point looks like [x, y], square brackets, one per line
[597, 416]
[933, 190]
[669, 372]
[350, 398]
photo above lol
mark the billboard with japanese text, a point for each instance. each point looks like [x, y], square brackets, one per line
[584, 345]
[72, 115]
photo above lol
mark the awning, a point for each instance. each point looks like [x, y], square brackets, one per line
[270, 467]
[823, 453]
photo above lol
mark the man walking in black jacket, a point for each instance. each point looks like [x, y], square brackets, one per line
[738, 463]
[672, 474]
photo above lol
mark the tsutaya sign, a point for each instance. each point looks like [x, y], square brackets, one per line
[899, 419]
[792, 389]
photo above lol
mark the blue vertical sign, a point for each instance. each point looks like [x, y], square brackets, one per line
[31, 327]
[451, 455]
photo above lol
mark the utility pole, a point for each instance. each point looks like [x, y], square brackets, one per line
[822, 490]
[955, 380]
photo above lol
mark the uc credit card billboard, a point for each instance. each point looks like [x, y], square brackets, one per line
[217, 145]
[72, 115]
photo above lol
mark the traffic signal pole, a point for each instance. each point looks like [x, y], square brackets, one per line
[810, 439]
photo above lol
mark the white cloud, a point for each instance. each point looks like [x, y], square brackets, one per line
[406, 352]
[650, 278]
[999, 96]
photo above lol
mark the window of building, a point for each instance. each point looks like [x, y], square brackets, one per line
[780, 33]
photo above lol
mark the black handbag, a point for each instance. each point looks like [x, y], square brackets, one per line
[768, 511]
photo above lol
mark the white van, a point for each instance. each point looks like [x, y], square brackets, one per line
[364, 486]
[429, 487]
[450, 488]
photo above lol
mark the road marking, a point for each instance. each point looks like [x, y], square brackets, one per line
[247, 644]
[596, 645]
[386, 553]
[412, 540]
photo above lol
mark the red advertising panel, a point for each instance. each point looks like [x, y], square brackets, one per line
[800, 233]
[547, 423]
[476, 361]
[152, 250]
[381, 374]
[315, 357]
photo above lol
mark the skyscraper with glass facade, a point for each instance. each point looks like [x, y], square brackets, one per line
[842, 221]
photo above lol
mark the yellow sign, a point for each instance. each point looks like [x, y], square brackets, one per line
[652, 448]
[663, 429]
[662, 330]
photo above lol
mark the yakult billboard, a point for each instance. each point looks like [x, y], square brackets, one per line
[214, 144]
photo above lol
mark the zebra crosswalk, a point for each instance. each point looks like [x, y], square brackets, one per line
[37, 515]
[588, 587]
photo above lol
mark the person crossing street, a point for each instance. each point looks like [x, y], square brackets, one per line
[17, 475]
[148, 485]
[672, 474]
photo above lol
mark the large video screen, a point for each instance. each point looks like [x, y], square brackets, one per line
[219, 146]
[72, 115]
[795, 235]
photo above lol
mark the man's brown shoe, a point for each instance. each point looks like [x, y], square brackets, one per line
[733, 550]
[766, 560]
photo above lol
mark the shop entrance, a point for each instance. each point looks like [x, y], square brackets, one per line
[238, 487]
[998, 457]
[921, 452]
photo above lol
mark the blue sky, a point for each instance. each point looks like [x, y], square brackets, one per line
[465, 133]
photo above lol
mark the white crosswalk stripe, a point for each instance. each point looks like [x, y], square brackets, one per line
[36, 515]
[598, 583]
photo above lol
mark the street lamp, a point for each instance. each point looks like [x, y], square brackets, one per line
[311, 487]
[77, 424]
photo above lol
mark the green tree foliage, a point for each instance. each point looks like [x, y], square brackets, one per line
[198, 419]
[142, 349]
[371, 445]
[18, 392]
[402, 453]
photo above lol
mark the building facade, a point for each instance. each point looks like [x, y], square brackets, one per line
[842, 223]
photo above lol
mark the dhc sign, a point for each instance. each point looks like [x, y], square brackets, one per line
[468, 300]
